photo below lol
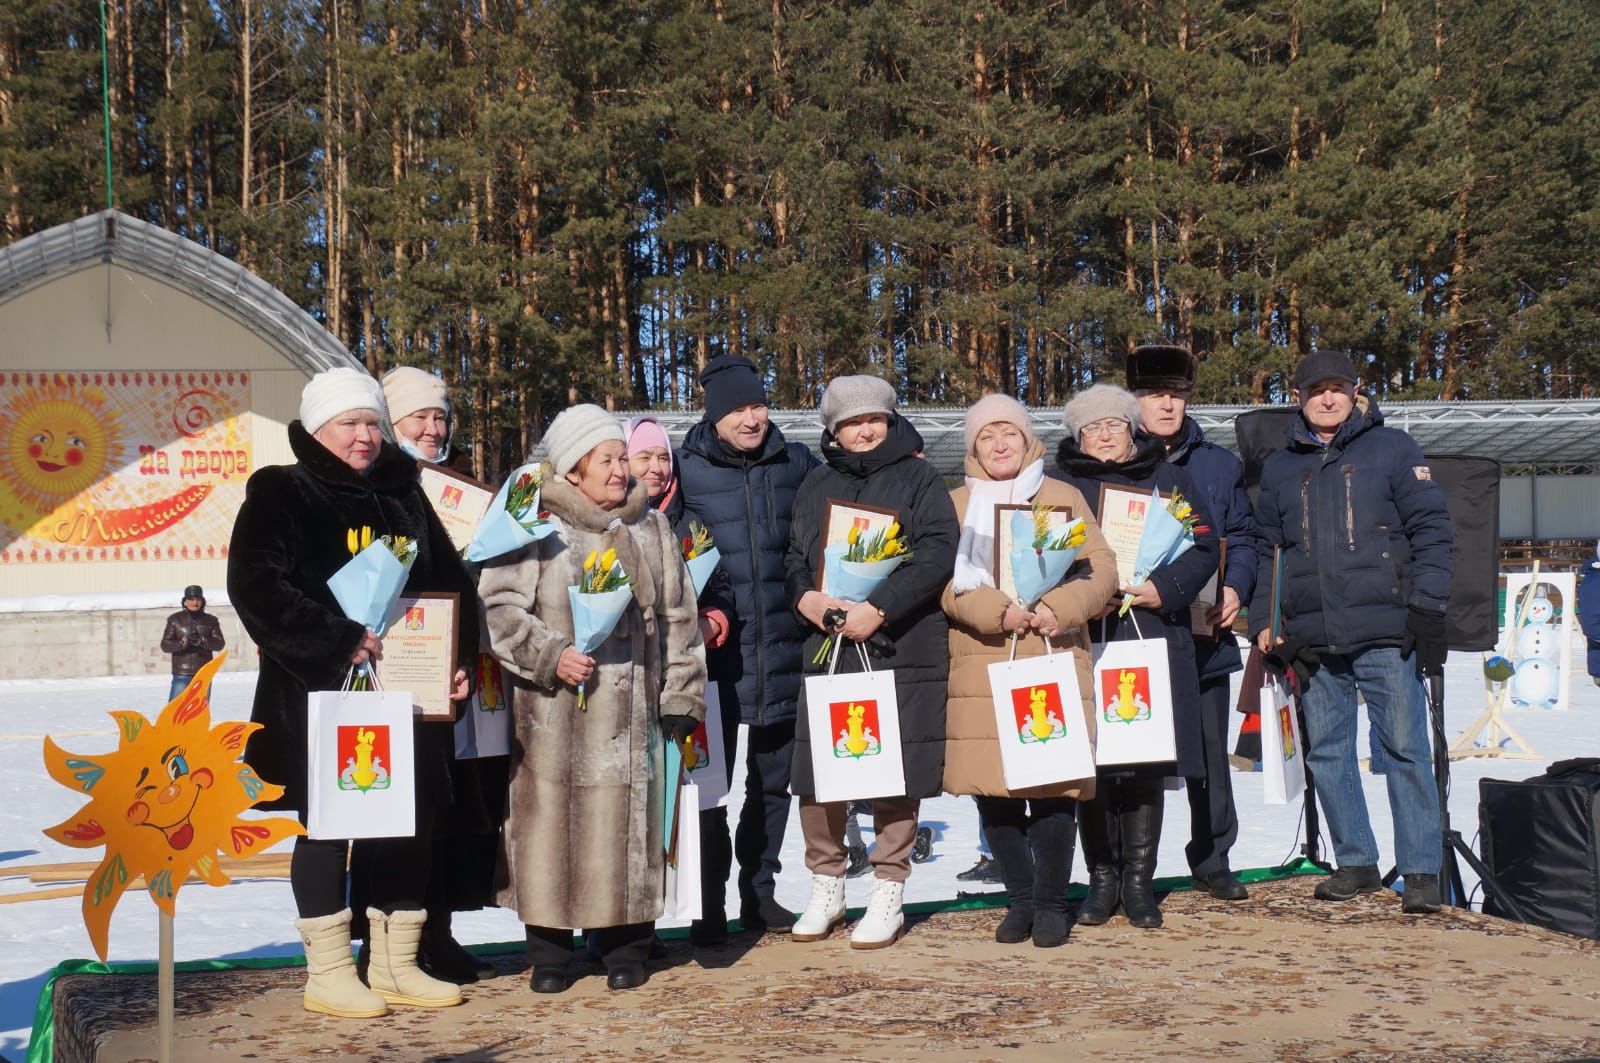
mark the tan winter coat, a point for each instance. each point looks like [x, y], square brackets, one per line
[583, 831]
[972, 752]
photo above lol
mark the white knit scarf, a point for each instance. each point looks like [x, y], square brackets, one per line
[975, 552]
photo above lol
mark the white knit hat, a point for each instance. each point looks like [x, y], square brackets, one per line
[576, 431]
[1098, 403]
[852, 396]
[335, 391]
[407, 389]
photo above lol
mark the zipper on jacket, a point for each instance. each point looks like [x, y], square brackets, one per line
[1349, 471]
[760, 606]
[1305, 513]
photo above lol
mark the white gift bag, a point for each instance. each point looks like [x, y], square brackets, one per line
[682, 897]
[1282, 755]
[853, 722]
[1038, 715]
[483, 728]
[359, 764]
[1133, 703]
[705, 762]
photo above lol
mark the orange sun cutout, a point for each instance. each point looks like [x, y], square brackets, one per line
[59, 440]
[165, 804]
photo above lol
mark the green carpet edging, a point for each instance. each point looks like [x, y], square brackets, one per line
[41, 1042]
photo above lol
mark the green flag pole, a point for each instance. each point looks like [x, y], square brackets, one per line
[105, 99]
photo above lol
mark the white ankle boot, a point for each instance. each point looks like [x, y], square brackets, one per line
[825, 910]
[393, 972]
[884, 920]
[332, 987]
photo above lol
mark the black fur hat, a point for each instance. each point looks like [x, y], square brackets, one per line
[1158, 366]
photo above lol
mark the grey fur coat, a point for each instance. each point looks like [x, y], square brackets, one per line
[583, 831]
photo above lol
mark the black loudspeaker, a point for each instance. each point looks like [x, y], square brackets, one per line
[1541, 841]
[1472, 494]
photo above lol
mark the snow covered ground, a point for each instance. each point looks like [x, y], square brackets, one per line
[252, 918]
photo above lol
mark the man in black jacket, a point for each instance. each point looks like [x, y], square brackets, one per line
[1367, 558]
[192, 636]
[739, 477]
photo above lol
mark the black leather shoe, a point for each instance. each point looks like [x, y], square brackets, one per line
[1223, 885]
[658, 948]
[1349, 882]
[766, 914]
[441, 956]
[1422, 895]
[625, 976]
[547, 979]
[859, 864]
[709, 932]
[1105, 892]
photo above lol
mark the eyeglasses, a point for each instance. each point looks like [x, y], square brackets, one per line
[1114, 426]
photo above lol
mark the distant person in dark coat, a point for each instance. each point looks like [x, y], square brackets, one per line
[1367, 560]
[738, 477]
[1161, 376]
[1589, 610]
[192, 636]
[872, 456]
[1121, 827]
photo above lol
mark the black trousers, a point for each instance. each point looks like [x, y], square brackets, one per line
[627, 944]
[759, 837]
[1213, 820]
[395, 870]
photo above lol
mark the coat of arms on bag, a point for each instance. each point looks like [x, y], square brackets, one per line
[1038, 711]
[856, 724]
[364, 752]
[1286, 732]
[1127, 694]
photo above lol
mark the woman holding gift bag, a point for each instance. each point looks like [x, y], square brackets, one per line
[583, 835]
[871, 456]
[1121, 826]
[1030, 831]
[291, 535]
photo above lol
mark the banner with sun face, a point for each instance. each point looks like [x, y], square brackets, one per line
[120, 466]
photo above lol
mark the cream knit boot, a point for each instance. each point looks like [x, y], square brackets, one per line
[884, 921]
[332, 987]
[393, 973]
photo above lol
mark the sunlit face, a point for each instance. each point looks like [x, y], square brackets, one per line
[863, 433]
[1109, 439]
[1161, 410]
[999, 449]
[1327, 404]
[428, 430]
[653, 468]
[601, 475]
[194, 605]
[353, 437]
[744, 428]
[58, 447]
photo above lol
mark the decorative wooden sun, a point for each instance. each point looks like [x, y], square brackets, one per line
[165, 804]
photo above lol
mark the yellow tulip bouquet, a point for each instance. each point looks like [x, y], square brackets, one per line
[369, 584]
[853, 569]
[598, 602]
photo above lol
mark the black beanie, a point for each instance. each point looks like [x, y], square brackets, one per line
[729, 383]
[1160, 367]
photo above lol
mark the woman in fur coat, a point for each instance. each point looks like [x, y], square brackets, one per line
[583, 835]
[1030, 831]
[291, 535]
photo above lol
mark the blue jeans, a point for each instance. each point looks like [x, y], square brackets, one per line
[178, 684]
[1397, 711]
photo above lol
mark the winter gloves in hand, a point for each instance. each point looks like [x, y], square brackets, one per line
[678, 728]
[1425, 637]
[1292, 655]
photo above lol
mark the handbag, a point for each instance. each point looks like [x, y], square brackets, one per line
[1133, 701]
[1038, 718]
[681, 899]
[359, 764]
[705, 762]
[483, 727]
[853, 721]
[1283, 768]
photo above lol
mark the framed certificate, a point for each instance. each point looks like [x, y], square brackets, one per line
[459, 500]
[1123, 512]
[1208, 596]
[1005, 542]
[838, 518]
[419, 653]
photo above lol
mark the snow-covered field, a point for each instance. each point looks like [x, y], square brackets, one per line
[252, 918]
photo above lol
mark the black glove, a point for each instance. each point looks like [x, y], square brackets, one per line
[679, 727]
[1425, 636]
[194, 639]
[1292, 655]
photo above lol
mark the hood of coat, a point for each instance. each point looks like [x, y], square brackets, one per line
[394, 467]
[903, 441]
[703, 440]
[1365, 416]
[1148, 452]
[976, 471]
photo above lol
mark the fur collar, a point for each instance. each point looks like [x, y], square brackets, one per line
[560, 497]
[394, 467]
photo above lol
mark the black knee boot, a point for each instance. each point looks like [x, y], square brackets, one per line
[1144, 802]
[1102, 852]
[1051, 836]
[1003, 821]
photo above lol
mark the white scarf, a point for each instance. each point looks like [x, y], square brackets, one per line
[975, 552]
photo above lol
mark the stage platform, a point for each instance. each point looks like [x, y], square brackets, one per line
[1278, 977]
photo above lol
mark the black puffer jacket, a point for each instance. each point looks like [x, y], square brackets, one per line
[289, 537]
[1178, 581]
[745, 501]
[890, 476]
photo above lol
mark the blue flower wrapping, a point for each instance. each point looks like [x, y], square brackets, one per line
[500, 532]
[700, 568]
[853, 580]
[368, 585]
[1163, 540]
[595, 616]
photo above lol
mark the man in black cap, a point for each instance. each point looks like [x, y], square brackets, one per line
[1161, 376]
[1367, 558]
[739, 476]
[192, 636]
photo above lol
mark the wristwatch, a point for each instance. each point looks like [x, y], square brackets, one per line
[881, 614]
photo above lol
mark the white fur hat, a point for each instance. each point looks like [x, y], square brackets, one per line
[576, 431]
[334, 391]
[407, 389]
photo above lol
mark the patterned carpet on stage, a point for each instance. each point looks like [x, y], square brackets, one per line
[1280, 976]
